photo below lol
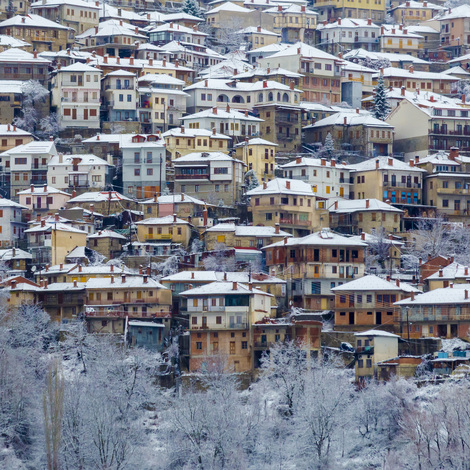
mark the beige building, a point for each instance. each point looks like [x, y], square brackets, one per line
[289, 204]
[258, 36]
[412, 12]
[12, 136]
[107, 242]
[396, 39]
[258, 155]
[168, 228]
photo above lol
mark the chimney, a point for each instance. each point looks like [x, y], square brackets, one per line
[466, 294]
[292, 85]
[234, 285]
[345, 121]
[363, 236]
[412, 295]
[182, 129]
[393, 30]
[412, 163]
[287, 184]
[388, 277]
[111, 268]
[276, 228]
[151, 62]
[416, 159]
[357, 110]
[298, 160]
[214, 131]
[45, 284]
[420, 260]
[265, 185]
[369, 21]
[174, 218]
[45, 188]
[339, 21]
[205, 83]
[47, 268]
[61, 266]
[463, 98]
[79, 268]
[268, 71]
[227, 109]
[336, 205]
[466, 270]
[397, 282]
[38, 218]
[279, 8]
[250, 286]
[123, 278]
[390, 161]
[177, 63]
[298, 51]
[204, 216]
[265, 84]
[32, 188]
[258, 28]
[454, 153]
[118, 60]
[56, 217]
[323, 162]
[141, 270]
[43, 223]
[382, 30]
[13, 284]
[302, 9]
[325, 22]
[333, 162]
[131, 60]
[441, 273]
[112, 279]
[192, 275]
[367, 203]
[41, 282]
[146, 279]
[225, 276]
[75, 283]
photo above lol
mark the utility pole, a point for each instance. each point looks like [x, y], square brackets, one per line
[408, 328]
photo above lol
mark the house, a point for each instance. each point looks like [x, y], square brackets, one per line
[12, 225]
[146, 334]
[242, 236]
[79, 172]
[11, 91]
[110, 300]
[17, 261]
[43, 34]
[315, 264]
[184, 206]
[454, 29]
[162, 102]
[221, 318]
[258, 155]
[364, 215]
[258, 37]
[348, 33]
[330, 10]
[450, 273]
[226, 121]
[397, 39]
[114, 37]
[369, 301]
[168, 32]
[119, 100]
[361, 131]
[12, 136]
[106, 203]
[77, 14]
[321, 71]
[211, 176]
[43, 199]
[386, 178]
[327, 178]
[291, 204]
[439, 313]
[431, 43]
[107, 242]
[178, 231]
[446, 184]
[412, 12]
[50, 243]
[181, 141]
[373, 347]
[76, 94]
[401, 366]
[143, 165]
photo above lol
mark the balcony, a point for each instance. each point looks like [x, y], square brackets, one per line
[303, 223]
[192, 177]
[400, 184]
[454, 191]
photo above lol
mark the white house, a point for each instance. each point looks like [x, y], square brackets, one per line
[76, 94]
[79, 172]
[119, 89]
[11, 223]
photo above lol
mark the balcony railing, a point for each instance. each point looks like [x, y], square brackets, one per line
[294, 222]
[192, 177]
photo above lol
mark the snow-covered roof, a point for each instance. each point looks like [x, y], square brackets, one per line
[126, 282]
[382, 333]
[412, 4]
[33, 147]
[79, 67]
[11, 86]
[176, 27]
[42, 190]
[54, 226]
[9, 203]
[348, 23]
[255, 30]
[306, 51]
[249, 230]
[398, 30]
[222, 113]
[313, 162]
[180, 16]
[452, 271]
[322, 237]
[14, 253]
[372, 239]
[100, 196]
[389, 72]
[178, 132]
[457, 70]
[439, 158]
[350, 119]
[283, 186]
[56, 3]
[233, 85]
[31, 20]
[212, 276]
[223, 288]
[444, 296]
[391, 56]
[109, 11]
[462, 11]
[120, 73]
[257, 141]
[290, 8]
[107, 234]
[161, 78]
[204, 157]
[112, 28]
[347, 206]
[10, 41]
[230, 7]
[167, 220]
[264, 72]
[80, 159]
[374, 283]
[9, 130]
[384, 164]
[147, 324]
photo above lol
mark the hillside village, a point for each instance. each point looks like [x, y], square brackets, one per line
[228, 175]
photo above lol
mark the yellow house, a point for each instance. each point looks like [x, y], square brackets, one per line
[258, 36]
[397, 39]
[107, 242]
[12, 136]
[290, 203]
[164, 228]
[258, 155]
[181, 141]
[242, 236]
[50, 243]
[332, 10]
[411, 12]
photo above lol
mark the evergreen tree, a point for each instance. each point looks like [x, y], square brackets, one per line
[191, 7]
[251, 182]
[381, 105]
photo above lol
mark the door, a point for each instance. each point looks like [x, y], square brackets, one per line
[74, 114]
[351, 318]
[378, 318]
[85, 114]
[221, 127]
[38, 203]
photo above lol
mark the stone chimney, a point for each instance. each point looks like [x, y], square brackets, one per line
[123, 278]
[225, 276]
[182, 129]
[146, 279]
[45, 188]
[363, 236]
[234, 285]
[174, 218]
[265, 84]
[339, 21]
[323, 162]
[369, 21]
[111, 268]
[333, 162]
[367, 203]
[390, 161]
[441, 273]
[454, 153]
[214, 110]
[56, 217]
[466, 294]
[298, 160]
[265, 185]
[287, 184]
[276, 228]
[292, 85]
[112, 279]
[227, 109]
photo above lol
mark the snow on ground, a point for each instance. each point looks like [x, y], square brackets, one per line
[449, 345]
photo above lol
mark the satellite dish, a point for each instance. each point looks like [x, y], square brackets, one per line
[33, 269]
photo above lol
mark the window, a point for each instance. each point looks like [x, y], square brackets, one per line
[194, 320]
[199, 345]
[149, 171]
[136, 171]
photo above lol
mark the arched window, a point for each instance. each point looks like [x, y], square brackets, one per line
[260, 97]
[285, 98]
[270, 96]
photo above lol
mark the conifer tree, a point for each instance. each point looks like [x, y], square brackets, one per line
[381, 104]
[191, 7]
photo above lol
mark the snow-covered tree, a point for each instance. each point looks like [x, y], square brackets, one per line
[375, 63]
[33, 94]
[381, 105]
[219, 261]
[191, 7]
[328, 148]
[50, 125]
[251, 182]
